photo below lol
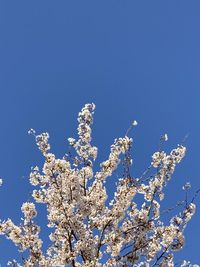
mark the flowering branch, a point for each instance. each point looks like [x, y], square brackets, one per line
[89, 228]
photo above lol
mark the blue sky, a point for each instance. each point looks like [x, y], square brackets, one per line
[133, 59]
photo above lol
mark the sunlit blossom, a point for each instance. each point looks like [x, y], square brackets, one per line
[90, 227]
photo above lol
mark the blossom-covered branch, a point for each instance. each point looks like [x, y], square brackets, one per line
[88, 227]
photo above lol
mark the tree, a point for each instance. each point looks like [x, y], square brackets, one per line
[86, 229]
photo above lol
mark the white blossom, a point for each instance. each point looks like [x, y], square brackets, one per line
[89, 227]
[134, 123]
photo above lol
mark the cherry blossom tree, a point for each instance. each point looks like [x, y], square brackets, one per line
[88, 227]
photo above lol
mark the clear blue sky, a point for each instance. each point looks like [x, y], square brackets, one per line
[134, 59]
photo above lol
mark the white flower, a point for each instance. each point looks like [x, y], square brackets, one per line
[134, 123]
[31, 131]
[71, 141]
[29, 210]
[187, 186]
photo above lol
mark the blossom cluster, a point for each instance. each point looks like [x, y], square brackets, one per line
[88, 227]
